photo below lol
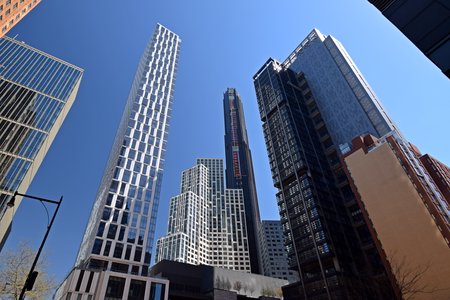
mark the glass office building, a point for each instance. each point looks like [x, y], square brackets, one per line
[120, 231]
[115, 253]
[117, 245]
[36, 93]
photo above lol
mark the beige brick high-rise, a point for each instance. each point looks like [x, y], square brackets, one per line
[408, 216]
[12, 11]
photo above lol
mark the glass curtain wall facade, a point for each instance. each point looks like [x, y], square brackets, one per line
[36, 92]
[312, 106]
[120, 231]
[347, 103]
[239, 171]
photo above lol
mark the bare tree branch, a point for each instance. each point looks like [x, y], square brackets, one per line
[14, 268]
[410, 278]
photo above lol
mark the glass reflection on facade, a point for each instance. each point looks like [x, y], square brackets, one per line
[157, 291]
[311, 106]
[121, 228]
[36, 93]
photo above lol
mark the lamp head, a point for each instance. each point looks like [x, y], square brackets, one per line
[11, 202]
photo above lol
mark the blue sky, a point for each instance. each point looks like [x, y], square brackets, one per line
[223, 44]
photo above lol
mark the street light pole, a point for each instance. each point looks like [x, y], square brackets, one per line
[31, 277]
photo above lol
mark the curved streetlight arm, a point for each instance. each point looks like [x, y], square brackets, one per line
[37, 198]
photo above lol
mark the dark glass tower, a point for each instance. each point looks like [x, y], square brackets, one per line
[239, 170]
[311, 106]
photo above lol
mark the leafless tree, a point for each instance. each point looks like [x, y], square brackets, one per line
[227, 284]
[410, 278]
[14, 268]
[251, 289]
[245, 288]
[279, 293]
[237, 286]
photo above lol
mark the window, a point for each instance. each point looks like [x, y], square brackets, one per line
[101, 228]
[121, 268]
[97, 246]
[131, 235]
[124, 218]
[114, 290]
[109, 199]
[118, 250]
[121, 233]
[137, 290]
[128, 252]
[112, 231]
[89, 283]
[119, 201]
[80, 279]
[115, 216]
[138, 254]
[107, 248]
[157, 291]
[135, 270]
[106, 213]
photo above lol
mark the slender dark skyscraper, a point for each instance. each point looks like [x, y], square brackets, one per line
[239, 170]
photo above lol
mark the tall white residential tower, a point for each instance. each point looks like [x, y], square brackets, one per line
[120, 231]
[206, 221]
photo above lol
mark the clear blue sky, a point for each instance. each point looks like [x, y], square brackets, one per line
[223, 44]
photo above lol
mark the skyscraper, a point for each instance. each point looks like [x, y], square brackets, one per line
[187, 231]
[206, 221]
[239, 170]
[120, 231]
[426, 23]
[36, 93]
[12, 11]
[311, 106]
[227, 228]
